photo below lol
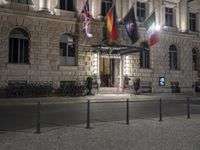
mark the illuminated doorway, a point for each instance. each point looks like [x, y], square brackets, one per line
[107, 72]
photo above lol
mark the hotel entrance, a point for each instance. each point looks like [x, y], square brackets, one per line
[107, 72]
[111, 63]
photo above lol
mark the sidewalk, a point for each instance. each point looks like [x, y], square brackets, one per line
[174, 133]
[100, 98]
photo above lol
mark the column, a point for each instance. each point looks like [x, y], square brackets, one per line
[183, 16]
[95, 8]
[44, 5]
[119, 9]
[125, 7]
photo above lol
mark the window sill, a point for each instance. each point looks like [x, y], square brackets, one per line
[17, 66]
[169, 28]
[193, 32]
[65, 13]
[21, 6]
[65, 67]
[140, 24]
[195, 71]
[146, 70]
[175, 71]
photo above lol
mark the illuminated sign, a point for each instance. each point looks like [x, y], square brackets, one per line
[114, 56]
[162, 81]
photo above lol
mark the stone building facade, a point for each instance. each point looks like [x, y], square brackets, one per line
[42, 40]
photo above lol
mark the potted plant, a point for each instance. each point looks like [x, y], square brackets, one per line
[136, 84]
[89, 84]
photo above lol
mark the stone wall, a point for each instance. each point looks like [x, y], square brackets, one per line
[45, 30]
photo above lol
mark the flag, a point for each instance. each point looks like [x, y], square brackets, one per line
[86, 18]
[152, 35]
[131, 26]
[111, 24]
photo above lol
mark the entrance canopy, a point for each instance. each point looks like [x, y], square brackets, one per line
[118, 49]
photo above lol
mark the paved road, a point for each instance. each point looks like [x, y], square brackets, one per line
[19, 117]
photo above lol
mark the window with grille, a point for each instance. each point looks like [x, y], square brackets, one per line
[67, 5]
[18, 46]
[141, 11]
[105, 6]
[67, 50]
[173, 57]
[192, 17]
[169, 16]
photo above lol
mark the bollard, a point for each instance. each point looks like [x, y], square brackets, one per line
[160, 110]
[38, 119]
[127, 111]
[88, 115]
[188, 108]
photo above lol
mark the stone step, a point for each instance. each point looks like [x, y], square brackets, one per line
[110, 90]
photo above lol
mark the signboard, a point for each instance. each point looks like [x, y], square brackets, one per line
[161, 81]
[114, 56]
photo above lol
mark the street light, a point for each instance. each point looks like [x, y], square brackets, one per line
[157, 27]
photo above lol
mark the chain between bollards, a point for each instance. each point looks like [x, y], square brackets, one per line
[188, 108]
[88, 115]
[38, 119]
[127, 111]
[160, 110]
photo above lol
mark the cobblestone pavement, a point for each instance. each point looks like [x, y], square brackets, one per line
[174, 133]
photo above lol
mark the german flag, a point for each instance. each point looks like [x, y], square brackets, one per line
[111, 24]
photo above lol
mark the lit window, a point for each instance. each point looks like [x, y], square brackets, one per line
[67, 5]
[145, 56]
[169, 17]
[173, 57]
[67, 50]
[141, 11]
[192, 22]
[105, 6]
[18, 46]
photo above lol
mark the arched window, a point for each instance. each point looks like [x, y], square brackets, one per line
[18, 46]
[145, 56]
[194, 59]
[67, 50]
[105, 6]
[173, 58]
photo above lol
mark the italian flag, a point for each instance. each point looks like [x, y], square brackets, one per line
[152, 35]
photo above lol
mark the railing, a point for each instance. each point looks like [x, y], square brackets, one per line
[18, 6]
[127, 114]
[40, 89]
[88, 113]
[72, 89]
[32, 89]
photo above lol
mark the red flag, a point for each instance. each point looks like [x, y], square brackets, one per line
[111, 24]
